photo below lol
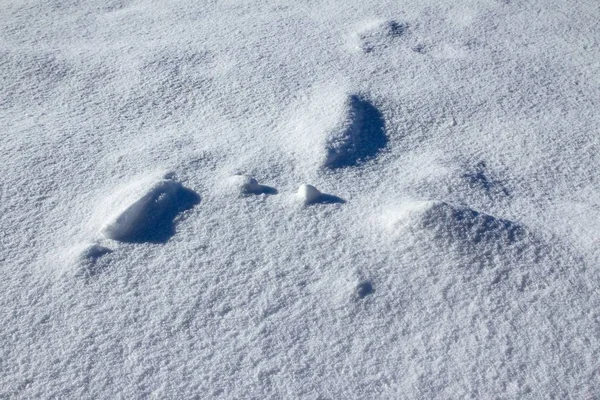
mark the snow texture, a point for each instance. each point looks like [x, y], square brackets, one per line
[154, 243]
[374, 35]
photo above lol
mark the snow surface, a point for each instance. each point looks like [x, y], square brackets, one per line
[458, 252]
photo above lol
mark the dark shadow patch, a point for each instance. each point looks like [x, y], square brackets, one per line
[94, 252]
[329, 199]
[364, 289]
[261, 189]
[151, 219]
[159, 226]
[362, 137]
[247, 185]
[324, 198]
[396, 28]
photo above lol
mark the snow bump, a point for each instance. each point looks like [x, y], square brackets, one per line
[94, 251]
[247, 185]
[150, 216]
[359, 136]
[449, 222]
[309, 194]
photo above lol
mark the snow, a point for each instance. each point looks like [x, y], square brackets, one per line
[360, 136]
[163, 235]
[246, 185]
[95, 251]
[376, 34]
[149, 217]
[448, 222]
[309, 194]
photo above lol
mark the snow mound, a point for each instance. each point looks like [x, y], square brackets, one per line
[309, 194]
[378, 34]
[150, 216]
[82, 260]
[94, 251]
[88, 263]
[448, 222]
[358, 136]
[247, 185]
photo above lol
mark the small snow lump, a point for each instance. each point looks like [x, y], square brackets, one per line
[246, 185]
[308, 194]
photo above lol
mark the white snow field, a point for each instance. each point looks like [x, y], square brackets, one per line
[284, 199]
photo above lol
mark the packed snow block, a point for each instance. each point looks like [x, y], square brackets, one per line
[449, 222]
[150, 218]
[359, 136]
